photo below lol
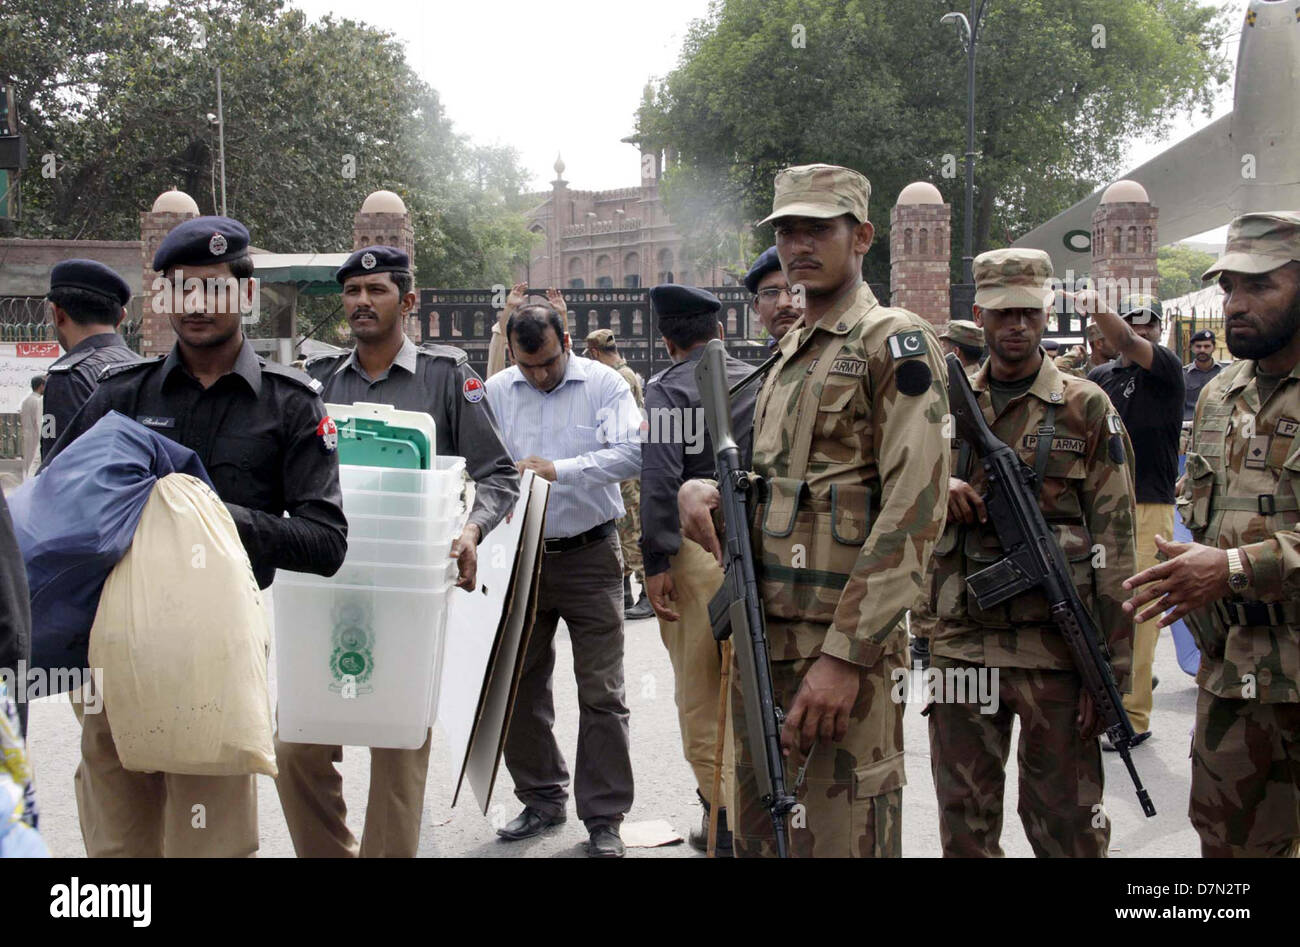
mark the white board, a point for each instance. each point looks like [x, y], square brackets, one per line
[473, 622]
[19, 362]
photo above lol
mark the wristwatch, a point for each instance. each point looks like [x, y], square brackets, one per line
[1238, 581]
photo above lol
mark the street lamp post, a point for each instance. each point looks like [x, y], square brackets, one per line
[969, 29]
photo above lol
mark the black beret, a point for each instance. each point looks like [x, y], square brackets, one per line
[200, 241]
[1205, 335]
[374, 260]
[669, 300]
[766, 263]
[92, 276]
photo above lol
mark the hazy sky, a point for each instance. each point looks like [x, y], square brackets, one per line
[566, 76]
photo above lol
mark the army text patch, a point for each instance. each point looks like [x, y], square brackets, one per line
[906, 344]
[854, 367]
[1074, 445]
[1287, 427]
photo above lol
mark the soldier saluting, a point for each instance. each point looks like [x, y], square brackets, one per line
[848, 434]
[1238, 583]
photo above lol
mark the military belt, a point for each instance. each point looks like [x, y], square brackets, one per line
[1265, 504]
[1258, 613]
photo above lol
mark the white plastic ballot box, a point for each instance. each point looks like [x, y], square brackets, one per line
[359, 654]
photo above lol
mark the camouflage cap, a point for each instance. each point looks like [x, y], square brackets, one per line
[601, 339]
[1259, 243]
[1138, 309]
[964, 332]
[819, 190]
[1014, 278]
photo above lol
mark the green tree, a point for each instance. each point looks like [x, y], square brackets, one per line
[1062, 87]
[317, 115]
[1180, 269]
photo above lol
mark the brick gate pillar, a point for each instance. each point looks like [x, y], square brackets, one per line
[920, 236]
[170, 209]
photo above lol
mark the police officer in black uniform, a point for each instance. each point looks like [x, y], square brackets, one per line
[388, 368]
[681, 576]
[259, 428]
[262, 433]
[87, 301]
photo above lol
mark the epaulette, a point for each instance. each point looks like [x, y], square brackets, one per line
[67, 363]
[322, 356]
[443, 351]
[658, 376]
[121, 368]
[295, 375]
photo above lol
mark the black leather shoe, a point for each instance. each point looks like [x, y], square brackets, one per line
[528, 823]
[605, 843]
[640, 610]
[921, 651]
[1138, 740]
[700, 840]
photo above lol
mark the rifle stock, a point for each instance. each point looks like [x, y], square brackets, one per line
[1034, 560]
[737, 610]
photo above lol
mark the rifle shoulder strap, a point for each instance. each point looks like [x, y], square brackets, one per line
[1046, 431]
[805, 425]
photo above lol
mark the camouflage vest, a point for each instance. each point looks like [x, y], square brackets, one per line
[1242, 486]
[813, 446]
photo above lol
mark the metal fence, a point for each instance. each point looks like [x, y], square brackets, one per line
[464, 318]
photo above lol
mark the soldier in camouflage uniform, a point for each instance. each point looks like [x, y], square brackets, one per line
[1238, 584]
[1078, 362]
[1066, 429]
[965, 339]
[848, 434]
[602, 346]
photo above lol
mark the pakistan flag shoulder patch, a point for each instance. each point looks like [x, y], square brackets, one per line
[907, 344]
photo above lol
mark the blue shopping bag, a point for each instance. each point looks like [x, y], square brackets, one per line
[75, 521]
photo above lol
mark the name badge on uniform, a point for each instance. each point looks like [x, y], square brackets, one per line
[1257, 452]
[1075, 445]
[853, 367]
[1286, 427]
[149, 420]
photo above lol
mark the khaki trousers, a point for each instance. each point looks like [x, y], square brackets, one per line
[697, 665]
[126, 814]
[311, 792]
[1152, 518]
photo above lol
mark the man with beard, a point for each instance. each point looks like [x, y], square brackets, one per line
[1199, 371]
[773, 300]
[848, 433]
[1238, 583]
[1067, 431]
[1080, 359]
[388, 368]
[261, 431]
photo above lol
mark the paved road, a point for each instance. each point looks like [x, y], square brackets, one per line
[664, 786]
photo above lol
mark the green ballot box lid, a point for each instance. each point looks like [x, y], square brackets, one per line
[379, 435]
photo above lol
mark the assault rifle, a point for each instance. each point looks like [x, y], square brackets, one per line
[737, 610]
[1034, 560]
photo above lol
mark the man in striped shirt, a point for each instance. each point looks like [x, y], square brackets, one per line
[574, 422]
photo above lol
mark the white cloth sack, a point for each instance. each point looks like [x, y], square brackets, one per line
[183, 641]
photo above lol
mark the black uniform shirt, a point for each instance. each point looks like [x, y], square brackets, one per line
[438, 381]
[1194, 379]
[72, 378]
[672, 404]
[259, 432]
[1150, 402]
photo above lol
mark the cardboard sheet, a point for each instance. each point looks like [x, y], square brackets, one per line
[474, 622]
[486, 633]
